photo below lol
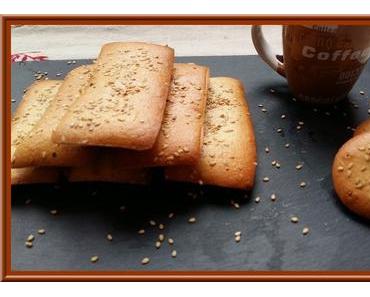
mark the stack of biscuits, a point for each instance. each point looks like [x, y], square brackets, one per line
[133, 109]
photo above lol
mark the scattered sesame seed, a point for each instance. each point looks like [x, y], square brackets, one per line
[272, 91]
[94, 259]
[237, 238]
[263, 109]
[266, 179]
[170, 241]
[260, 105]
[238, 233]
[13, 100]
[30, 238]
[170, 215]
[141, 231]
[41, 231]
[192, 220]
[161, 237]
[305, 230]
[161, 226]
[287, 145]
[283, 116]
[302, 184]
[277, 165]
[145, 261]
[294, 220]
[299, 166]
[28, 244]
[109, 237]
[157, 244]
[152, 223]
[174, 254]
[279, 130]
[257, 199]
[54, 212]
[267, 150]
[273, 197]
[362, 93]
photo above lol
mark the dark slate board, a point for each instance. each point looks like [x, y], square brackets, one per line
[338, 240]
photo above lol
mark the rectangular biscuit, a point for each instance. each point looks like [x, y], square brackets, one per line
[34, 175]
[125, 101]
[179, 140]
[228, 156]
[31, 109]
[105, 169]
[38, 149]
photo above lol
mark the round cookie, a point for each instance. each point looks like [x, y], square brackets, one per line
[351, 174]
[364, 127]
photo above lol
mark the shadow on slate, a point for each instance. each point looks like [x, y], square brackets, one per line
[337, 240]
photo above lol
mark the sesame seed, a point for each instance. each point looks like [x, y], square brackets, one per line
[279, 130]
[152, 223]
[299, 166]
[273, 197]
[54, 212]
[192, 220]
[174, 254]
[13, 100]
[302, 184]
[263, 109]
[28, 201]
[161, 237]
[294, 220]
[145, 261]
[267, 150]
[283, 116]
[41, 231]
[305, 230]
[266, 179]
[141, 231]
[170, 215]
[257, 199]
[161, 226]
[287, 145]
[94, 259]
[170, 241]
[30, 238]
[109, 237]
[237, 238]
[362, 93]
[272, 91]
[28, 244]
[238, 233]
[157, 244]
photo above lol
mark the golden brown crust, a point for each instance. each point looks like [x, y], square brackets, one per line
[351, 174]
[228, 155]
[31, 109]
[179, 140]
[125, 102]
[38, 149]
[104, 168]
[364, 127]
[34, 175]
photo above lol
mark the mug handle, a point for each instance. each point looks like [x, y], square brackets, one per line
[265, 51]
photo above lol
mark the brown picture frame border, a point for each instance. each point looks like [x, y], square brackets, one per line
[8, 275]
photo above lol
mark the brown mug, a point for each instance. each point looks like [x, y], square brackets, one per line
[321, 63]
